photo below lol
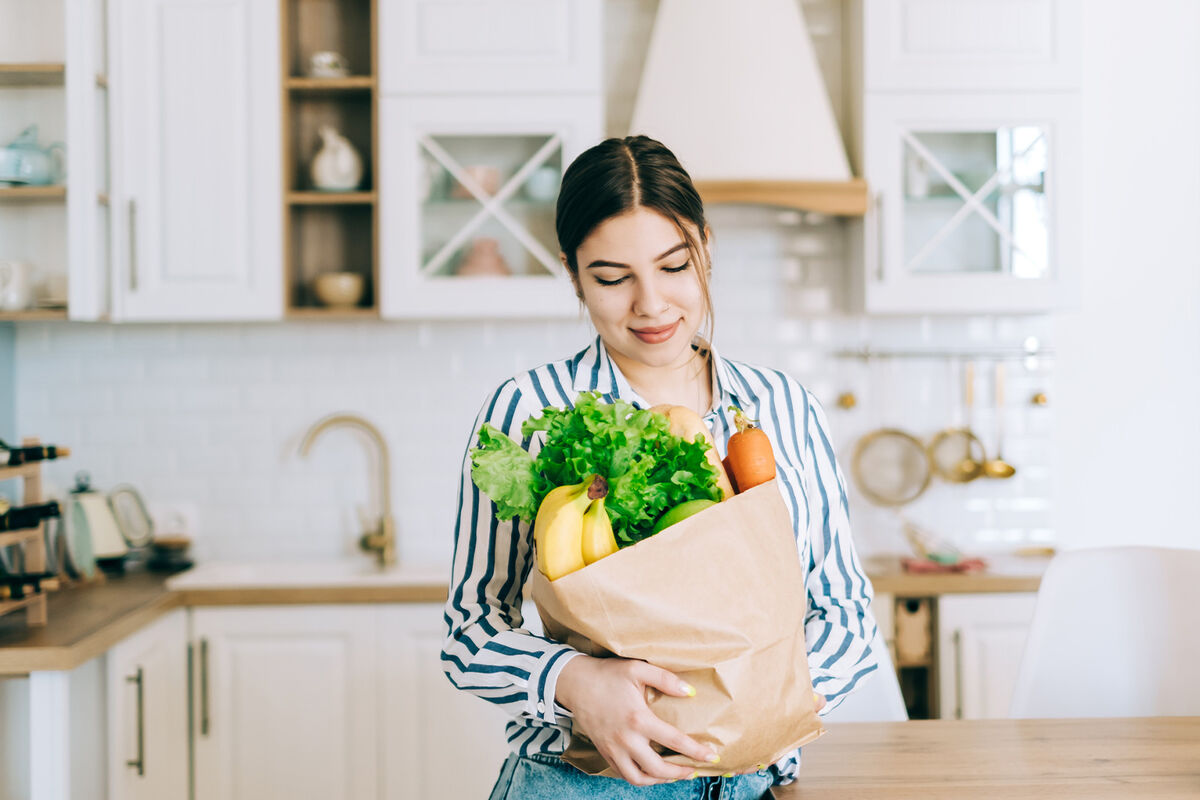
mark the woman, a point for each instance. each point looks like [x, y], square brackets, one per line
[635, 242]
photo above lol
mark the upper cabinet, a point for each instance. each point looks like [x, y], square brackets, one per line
[977, 202]
[464, 46]
[970, 130]
[196, 185]
[918, 45]
[469, 190]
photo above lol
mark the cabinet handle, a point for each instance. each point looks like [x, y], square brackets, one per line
[204, 687]
[958, 691]
[879, 237]
[133, 245]
[140, 761]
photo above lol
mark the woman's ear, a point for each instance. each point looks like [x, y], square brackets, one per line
[562, 257]
[708, 240]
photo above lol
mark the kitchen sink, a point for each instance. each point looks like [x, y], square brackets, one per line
[337, 572]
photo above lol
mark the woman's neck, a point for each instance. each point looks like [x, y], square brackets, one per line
[685, 383]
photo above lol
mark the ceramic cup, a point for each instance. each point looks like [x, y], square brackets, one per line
[542, 184]
[16, 285]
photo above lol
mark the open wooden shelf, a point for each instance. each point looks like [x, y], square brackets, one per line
[33, 315]
[351, 83]
[15, 193]
[43, 74]
[314, 198]
[312, 312]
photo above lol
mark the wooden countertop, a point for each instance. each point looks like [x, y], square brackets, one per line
[1057, 758]
[88, 619]
[1003, 574]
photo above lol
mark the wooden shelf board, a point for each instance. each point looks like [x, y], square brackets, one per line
[330, 198]
[332, 313]
[34, 315]
[839, 198]
[42, 74]
[29, 470]
[12, 605]
[348, 84]
[13, 193]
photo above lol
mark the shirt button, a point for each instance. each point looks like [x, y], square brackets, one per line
[541, 707]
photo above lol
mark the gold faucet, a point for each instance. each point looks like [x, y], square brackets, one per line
[378, 538]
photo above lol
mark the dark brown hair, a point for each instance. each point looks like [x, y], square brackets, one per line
[618, 176]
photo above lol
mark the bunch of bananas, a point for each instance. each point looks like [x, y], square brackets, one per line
[572, 528]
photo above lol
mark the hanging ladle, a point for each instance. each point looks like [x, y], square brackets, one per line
[997, 467]
[968, 469]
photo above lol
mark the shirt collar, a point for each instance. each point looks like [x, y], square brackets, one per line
[596, 371]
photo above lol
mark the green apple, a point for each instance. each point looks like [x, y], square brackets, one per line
[681, 512]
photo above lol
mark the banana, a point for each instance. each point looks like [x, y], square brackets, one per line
[558, 527]
[598, 539]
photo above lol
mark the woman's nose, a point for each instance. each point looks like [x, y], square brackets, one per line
[649, 301]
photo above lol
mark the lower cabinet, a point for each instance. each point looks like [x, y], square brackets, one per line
[147, 712]
[981, 639]
[304, 702]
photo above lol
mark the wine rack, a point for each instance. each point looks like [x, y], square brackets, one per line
[31, 540]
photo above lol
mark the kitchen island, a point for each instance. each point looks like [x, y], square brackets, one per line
[1049, 758]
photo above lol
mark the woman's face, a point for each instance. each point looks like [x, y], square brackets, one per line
[641, 288]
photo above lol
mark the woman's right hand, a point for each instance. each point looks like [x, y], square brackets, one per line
[607, 697]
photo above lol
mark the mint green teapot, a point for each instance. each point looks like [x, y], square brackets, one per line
[23, 163]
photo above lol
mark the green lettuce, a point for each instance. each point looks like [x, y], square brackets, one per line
[649, 469]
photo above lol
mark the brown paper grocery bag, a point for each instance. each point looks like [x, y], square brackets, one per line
[718, 599]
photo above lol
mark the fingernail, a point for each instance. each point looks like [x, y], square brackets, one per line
[690, 691]
[761, 766]
[816, 697]
[714, 759]
[692, 777]
[727, 775]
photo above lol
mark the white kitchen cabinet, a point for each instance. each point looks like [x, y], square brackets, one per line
[977, 203]
[972, 45]
[464, 46]
[440, 742]
[468, 186]
[981, 638]
[196, 134]
[147, 712]
[286, 702]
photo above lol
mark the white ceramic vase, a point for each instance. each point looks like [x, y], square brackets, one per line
[337, 166]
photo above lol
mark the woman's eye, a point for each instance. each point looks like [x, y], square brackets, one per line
[680, 268]
[603, 282]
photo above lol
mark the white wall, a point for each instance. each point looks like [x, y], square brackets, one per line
[1128, 376]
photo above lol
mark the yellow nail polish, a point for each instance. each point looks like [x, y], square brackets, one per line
[714, 759]
[761, 766]
[727, 775]
[693, 775]
[690, 691]
[816, 697]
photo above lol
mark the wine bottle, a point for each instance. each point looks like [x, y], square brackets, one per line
[20, 517]
[15, 456]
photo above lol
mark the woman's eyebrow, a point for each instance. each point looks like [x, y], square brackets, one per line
[660, 257]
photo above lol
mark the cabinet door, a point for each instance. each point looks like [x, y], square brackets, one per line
[980, 642]
[285, 702]
[441, 742]
[919, 45]
[978, 203]
[147, 702]
[197, 189]
[469, 187]
[464, 46]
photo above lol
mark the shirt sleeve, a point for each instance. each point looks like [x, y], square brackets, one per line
[486, 651]
[839, 626]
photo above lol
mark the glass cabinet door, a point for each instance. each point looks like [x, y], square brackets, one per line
[976, 203]
[468, 204]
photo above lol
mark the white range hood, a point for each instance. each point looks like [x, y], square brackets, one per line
[735, 91]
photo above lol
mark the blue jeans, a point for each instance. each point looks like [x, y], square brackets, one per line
[542, 777]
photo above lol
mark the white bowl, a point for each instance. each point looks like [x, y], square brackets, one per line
[339, 289]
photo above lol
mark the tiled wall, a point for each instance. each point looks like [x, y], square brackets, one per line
[210, 416]
[7, 397]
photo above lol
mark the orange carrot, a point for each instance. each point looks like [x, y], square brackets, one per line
[750, 458]
[729, 473]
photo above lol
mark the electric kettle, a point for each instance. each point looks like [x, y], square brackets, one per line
[89, 512]
[23, 162]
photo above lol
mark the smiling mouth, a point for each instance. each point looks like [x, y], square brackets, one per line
[656, 335]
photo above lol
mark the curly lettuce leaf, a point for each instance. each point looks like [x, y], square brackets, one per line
[504, 471]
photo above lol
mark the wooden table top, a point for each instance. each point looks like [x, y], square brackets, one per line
[1003, 574]
[1062, 759]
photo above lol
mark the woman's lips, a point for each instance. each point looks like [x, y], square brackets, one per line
[655, 335]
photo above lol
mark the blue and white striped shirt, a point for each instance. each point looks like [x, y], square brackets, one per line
[489, 653]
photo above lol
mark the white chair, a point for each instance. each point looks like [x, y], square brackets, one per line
[877, 697]
[1115, 633]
